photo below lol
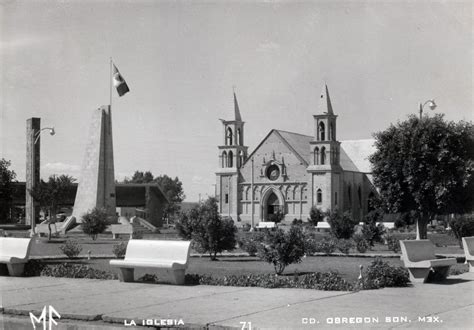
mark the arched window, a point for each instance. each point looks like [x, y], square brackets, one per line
[322, 131]
[359, 195]
[316, 156]
[323, 155]
[247, 193]
[319, 196]
[224, 159]
[239, 137]
[241, 158]
[332, 134]
[229, 136]
[230, 159]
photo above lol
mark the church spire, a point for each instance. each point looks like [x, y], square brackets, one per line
[325, 102]
[236, 109]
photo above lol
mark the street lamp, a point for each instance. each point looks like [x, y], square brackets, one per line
[430, 103]
[38, 133]
[34, 163]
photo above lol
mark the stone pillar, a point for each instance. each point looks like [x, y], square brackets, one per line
[33, 126]
[96, 186]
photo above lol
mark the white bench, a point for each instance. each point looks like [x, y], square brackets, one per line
[323, 225]
[419, 257]
[468, 245]
[266, 225]
[14, 252]
[121, 230]
[170, 255]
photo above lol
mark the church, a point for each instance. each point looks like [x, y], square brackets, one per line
[291, 172]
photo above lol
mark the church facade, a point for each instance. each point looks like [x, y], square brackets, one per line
[291, 172]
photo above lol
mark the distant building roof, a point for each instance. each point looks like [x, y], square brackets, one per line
[354, 154]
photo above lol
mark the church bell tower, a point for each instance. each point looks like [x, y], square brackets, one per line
[324, 169]
[232, 154]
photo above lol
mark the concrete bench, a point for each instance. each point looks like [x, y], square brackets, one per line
[323, 225]
[266, 225]
[419, 257]
[468, 245]
[14, 252]
[170, 255]
[121, 230]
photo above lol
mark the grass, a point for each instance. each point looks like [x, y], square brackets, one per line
[347, 267]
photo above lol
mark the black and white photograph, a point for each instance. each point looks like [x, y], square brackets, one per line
[242, 165]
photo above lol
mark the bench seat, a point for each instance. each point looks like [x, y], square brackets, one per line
[468, 245]
[148, 264]
[14, 252]
[419, 258]
[172, 256]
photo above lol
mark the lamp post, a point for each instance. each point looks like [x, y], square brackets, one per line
[430, 103]
[32, 167]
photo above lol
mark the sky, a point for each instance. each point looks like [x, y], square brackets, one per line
[181, 60]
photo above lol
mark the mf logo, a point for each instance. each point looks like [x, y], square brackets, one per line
[48, 314]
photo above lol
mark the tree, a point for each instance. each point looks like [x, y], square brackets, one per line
[172, 188]
[94, 222]
[315, 215]
[207, 229]
[342, 224]
[425, 166]
[50, 195]
[282, 249]
[6, 188]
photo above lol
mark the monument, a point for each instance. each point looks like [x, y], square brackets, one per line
[97, 181]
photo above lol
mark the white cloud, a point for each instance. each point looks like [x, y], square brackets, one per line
[60, 168]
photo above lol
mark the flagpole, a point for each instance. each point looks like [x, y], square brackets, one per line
[110, 78]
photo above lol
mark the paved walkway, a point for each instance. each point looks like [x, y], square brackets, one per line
[99, 304]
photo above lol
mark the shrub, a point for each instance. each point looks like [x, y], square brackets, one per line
[342, 225]
[276, 217]
[393, 243]
[246, 227]
[297, 222]
[282, 249]
[330, 281]
[462, 226]
[119, 250]
[315, 215]
[380, 274]
[33, 268]
[71, 248]
[326, 245]
[361, 243]
[344, 245]
[137, 235]
[94, 222]
[370, 230]
[251, 241]
[77, 271]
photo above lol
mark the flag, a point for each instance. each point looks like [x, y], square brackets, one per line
[119, 82]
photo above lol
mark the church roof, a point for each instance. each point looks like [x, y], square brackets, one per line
[354, 154]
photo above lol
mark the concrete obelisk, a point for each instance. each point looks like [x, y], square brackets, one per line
[97, 182]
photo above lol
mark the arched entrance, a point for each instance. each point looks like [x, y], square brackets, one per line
[273, 205]
[272, 202]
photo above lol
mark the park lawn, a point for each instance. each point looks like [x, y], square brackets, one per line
[347, 267]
